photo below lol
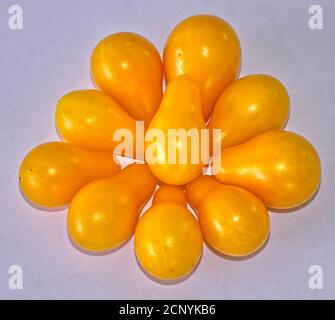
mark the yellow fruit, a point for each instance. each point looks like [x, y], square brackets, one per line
[206, 48]
[128, 67]
[91, 119]
[233, 221]
[103, 214]
[281, 168]
[168, 239]
[249, 106]
[172, 160]
[52, 173]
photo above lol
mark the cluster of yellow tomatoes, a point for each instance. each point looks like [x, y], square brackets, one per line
[260, 165]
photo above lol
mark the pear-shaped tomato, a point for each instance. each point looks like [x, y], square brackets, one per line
[128, 67]
[206, 48]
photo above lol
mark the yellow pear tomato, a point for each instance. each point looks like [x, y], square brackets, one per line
[208, 49]
[52, 173]
[92, 119]
[249, 106]
[280, 167]
[233, 220]
[168, 239]
[104, 213]
[128, 67]
[173, 133]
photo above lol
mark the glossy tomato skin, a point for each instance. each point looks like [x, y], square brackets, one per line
[52, 173]
[180, 110]
[197, 190]
[280, 167]
[233, 221]
[168, 241]
[92, 119]
[128, 67]
[103, 214]
[168, 193]
[249, 106]
[208, 49]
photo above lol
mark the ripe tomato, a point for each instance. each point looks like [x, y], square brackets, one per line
[128, 67]
[207, 48]
[168, 241]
